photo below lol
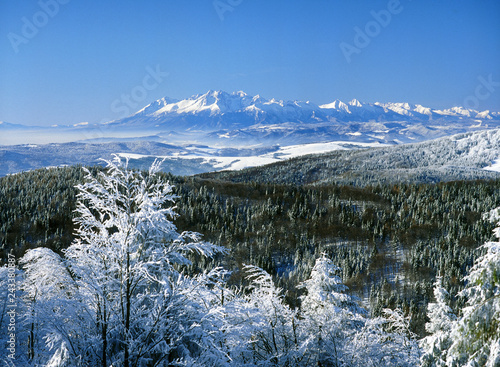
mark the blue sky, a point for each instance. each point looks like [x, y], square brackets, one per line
[70, 61]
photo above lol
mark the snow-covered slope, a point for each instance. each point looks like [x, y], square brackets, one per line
[181, 160]
[465, 156]
[459, 157]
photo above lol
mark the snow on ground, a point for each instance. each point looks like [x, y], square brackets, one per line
[317, 148]
[494, 167]
[241, 162]
[133, 155]
[238, 163]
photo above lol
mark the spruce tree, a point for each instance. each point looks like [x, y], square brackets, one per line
[476, 335]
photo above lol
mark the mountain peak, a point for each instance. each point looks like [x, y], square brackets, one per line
[354, 102]
[157, 105]
[214, 93]
[336, 105]
[240, 94]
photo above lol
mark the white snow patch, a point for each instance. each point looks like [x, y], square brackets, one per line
[241, 162]
[133, 155]
[318, 148]
[495, 167]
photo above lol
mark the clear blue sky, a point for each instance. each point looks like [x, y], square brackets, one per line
[87, 54]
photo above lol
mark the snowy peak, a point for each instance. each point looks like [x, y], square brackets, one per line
[467, 113]
[484, 115]
[240, 94]
[216, 110]
[423, 110]
[355, 103]
[457, 111]
[212, 102]
[219, 105]
[157, 105]
[337, 105]
[404, 109]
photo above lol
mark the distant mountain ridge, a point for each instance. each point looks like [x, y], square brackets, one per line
[221, 118]
[235, 119]
[218, 109]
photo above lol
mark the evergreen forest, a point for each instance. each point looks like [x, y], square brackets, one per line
[392, 245]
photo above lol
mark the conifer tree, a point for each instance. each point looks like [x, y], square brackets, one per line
[476, 334]
[330, 316]
[441, 318]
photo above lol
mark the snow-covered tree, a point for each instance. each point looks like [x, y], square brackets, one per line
[330, 316]
[384, 341]
[271, 331]
[476, 335]
[441, 318]
[125, 262]
[48, 303]
[336, 331]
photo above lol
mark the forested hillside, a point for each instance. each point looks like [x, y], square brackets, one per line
[389, 240]
[452, 158]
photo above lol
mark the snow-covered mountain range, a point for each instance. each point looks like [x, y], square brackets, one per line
[218, 130]
[239, 118]
[221, 110]
[233, 119]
